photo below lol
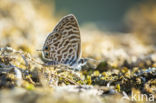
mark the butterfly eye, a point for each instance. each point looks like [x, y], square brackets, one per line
[46, 48]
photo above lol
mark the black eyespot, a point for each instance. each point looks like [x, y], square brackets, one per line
[46, 54]
[46, 48]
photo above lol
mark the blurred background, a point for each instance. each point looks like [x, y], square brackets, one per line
[108, 15]
[117, 28]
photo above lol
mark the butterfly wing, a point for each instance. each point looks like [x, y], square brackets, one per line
[63, 45]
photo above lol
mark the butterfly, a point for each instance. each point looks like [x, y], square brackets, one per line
[63, 44]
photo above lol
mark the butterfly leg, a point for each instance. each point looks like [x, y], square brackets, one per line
[82, 61]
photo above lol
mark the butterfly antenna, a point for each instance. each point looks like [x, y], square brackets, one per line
[39, 50]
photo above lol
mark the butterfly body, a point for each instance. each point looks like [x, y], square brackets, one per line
[63, 44]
